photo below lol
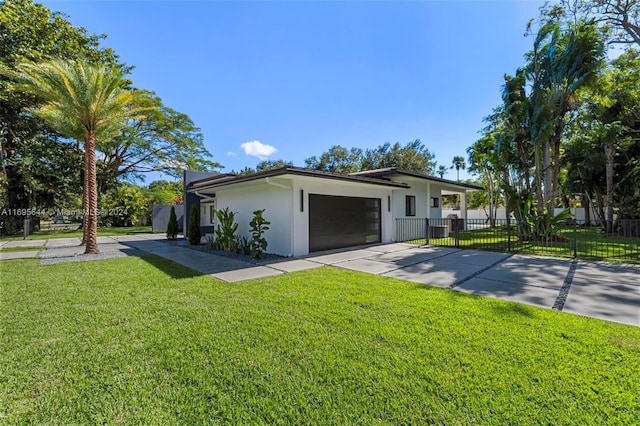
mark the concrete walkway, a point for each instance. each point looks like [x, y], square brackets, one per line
[595, 289]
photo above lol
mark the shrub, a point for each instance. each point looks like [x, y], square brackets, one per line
[243, 245]
[194, 226]
[226, 229]
[258, 226]
[211, 243]
[172, 226]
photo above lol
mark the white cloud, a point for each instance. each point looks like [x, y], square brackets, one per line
[231, 154]
[258, 149]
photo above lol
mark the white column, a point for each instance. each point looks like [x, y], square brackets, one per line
[463, 207]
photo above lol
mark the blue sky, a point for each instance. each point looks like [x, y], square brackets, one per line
[290, 79]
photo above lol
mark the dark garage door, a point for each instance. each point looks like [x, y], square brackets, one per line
[336, 222]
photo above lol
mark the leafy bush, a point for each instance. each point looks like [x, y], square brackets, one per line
[211, 243]
[194, 226]
[242, 245]
[226, 229]
[258, 226]
[172, 226]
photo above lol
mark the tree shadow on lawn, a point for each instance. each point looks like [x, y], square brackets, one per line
[503, 308]
[169, 267]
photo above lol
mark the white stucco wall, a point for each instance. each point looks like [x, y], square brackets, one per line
[423, 191]
[205, 214]
[288, 209]
[277, 204]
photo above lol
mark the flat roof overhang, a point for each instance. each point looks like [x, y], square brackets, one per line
[207, 185]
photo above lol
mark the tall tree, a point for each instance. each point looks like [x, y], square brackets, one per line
[563, 61]
[413, 156]
[85, 102]
[163, 140]
[442, 169]
[337, 159]
[619, 19]
[38, 166]
[610, 120]
[458, 163]
[481, 162]
[265, 165]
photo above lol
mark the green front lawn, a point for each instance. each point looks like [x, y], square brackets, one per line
[14, 249]
[70, 233]
[141, 340]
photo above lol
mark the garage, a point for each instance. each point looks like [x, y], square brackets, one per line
[336, 221]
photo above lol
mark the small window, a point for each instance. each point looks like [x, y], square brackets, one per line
[212, 214]
[435, 202]
[410, 205]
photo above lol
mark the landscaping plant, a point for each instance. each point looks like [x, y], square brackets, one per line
[258, 226]
[226, 229]
[172, 226]
[243, 245]
[194, 226]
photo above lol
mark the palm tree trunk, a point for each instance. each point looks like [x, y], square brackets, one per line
[92, 194]
[85, 197]
[586, 204]
[538, 181]
[548, 178]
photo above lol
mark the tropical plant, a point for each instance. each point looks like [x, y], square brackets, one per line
[564, 60]
[458, 163]
[242, 245]
[172, 226]
[86, 102]
[258, 227]
[194, 226]
[38, 167]
[441, 171]
[226, 232]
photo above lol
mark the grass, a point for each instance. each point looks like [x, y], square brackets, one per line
[587, 242]
[141, 340]
[29, 248]
[71, 233]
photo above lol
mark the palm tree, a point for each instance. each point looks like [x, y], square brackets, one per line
[85, 102]
[441, 171]
[563, 61]
[458, 163]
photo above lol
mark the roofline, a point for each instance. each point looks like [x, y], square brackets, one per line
[218, 176]
[218, 181]
[389, 171]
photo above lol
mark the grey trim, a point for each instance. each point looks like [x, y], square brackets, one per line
[394, 171]
[218, 181]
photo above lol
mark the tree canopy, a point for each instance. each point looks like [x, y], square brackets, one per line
[568, 126]
[163, 141]
[413, 156]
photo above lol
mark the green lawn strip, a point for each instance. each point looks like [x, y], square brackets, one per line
[29, 248]
[75, 233]
[144, 340]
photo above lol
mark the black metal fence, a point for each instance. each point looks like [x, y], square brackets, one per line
[574, 239]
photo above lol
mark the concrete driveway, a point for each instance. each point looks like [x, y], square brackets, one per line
[595, 289]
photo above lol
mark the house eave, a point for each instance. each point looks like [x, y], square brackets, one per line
[394, 171]
[214, 183]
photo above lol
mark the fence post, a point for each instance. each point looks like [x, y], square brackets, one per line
[575, 239]
[426, 231]
[508, 232]
[456, 231]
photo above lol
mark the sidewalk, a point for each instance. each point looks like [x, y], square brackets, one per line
[594, 289]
